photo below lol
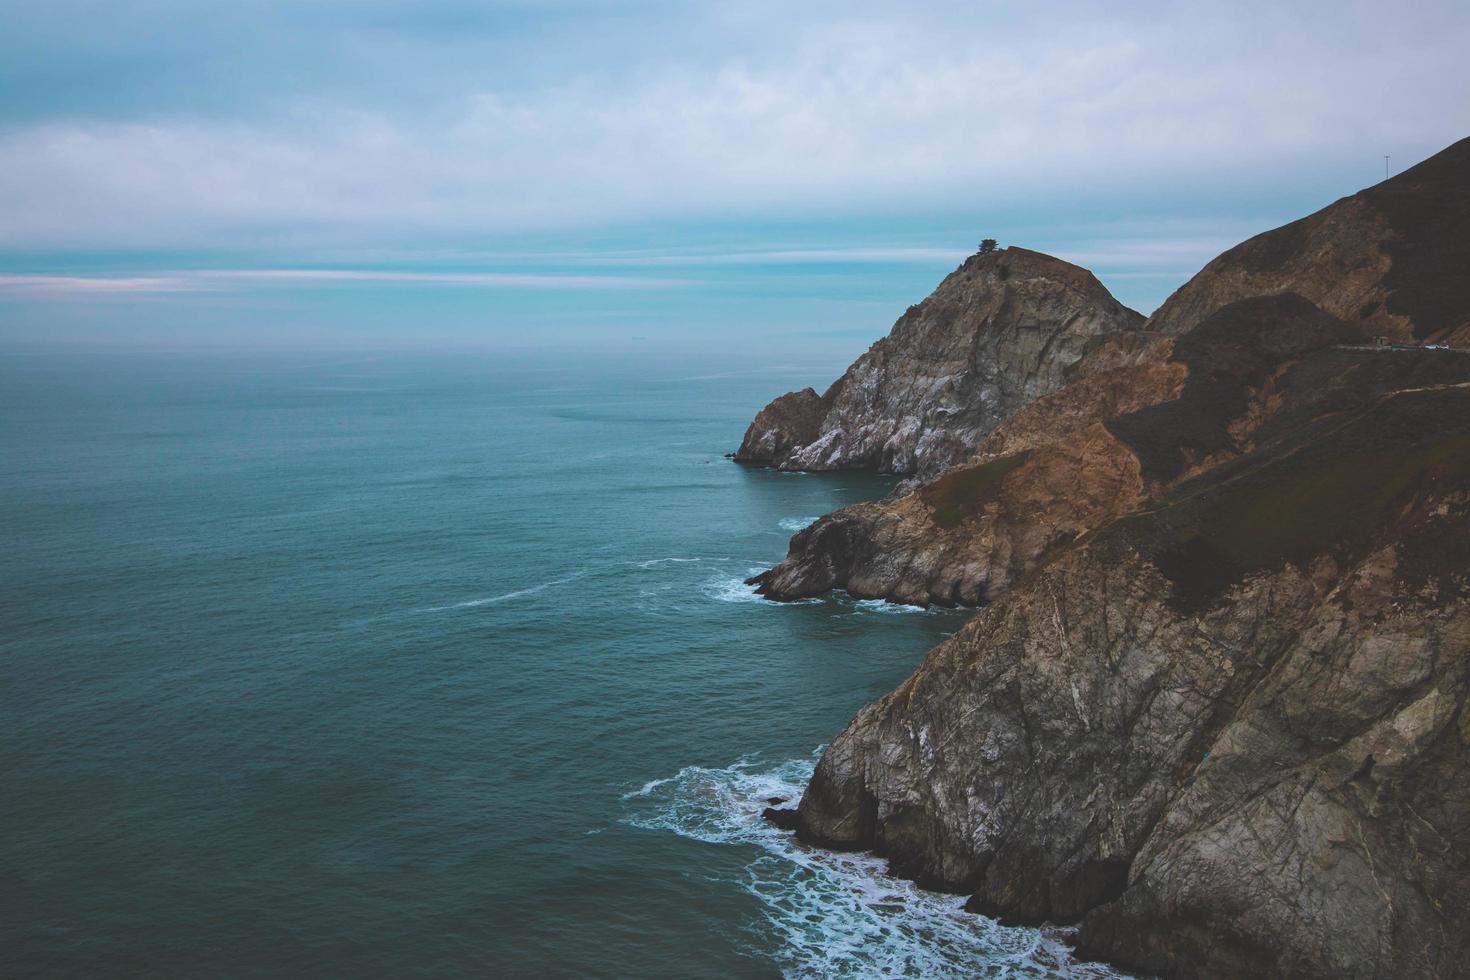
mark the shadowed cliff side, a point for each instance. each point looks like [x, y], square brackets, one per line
[997, 333]
[1395, 256]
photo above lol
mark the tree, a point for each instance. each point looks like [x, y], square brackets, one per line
[987, 246]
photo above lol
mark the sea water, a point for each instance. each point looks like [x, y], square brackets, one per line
[356, 664]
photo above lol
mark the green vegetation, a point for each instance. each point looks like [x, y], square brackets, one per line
[963, 493]
[1304, 514]
[1299, 509]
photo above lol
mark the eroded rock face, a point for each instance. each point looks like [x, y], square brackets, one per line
[1227, 734]
[784, 426]
[1043, 477]
[998, 332]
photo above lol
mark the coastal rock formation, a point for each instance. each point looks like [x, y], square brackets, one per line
[1229, 735]
[998, 332]
[1217, 709]
[1143, 411]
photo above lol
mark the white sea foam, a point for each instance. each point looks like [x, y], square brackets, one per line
[796, 523]
[733, 589]
[836, 914]
[886, 607]
[655, 562]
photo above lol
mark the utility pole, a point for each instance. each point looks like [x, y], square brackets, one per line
[1386, 174]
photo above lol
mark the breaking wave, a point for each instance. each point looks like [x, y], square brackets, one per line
[796, 523]
[733, 589]
[834, 914]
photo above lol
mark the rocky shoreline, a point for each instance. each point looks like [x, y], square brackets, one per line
[1215, 709]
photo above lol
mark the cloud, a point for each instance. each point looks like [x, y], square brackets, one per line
[859, 254]
[838, 109]
[199, 279]
[92, 285]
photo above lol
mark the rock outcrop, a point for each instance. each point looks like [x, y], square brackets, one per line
[1217, 709]
[998, 332]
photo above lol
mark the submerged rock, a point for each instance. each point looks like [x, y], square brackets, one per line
[785, 819]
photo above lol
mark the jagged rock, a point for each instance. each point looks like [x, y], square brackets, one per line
[998, 332]
[784, 426]
[1043, 477]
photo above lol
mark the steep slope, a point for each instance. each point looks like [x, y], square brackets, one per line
[997, 333]
[1229, 734]
[1396, 256]
[1142, 413]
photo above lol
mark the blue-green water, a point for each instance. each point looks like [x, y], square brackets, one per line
[353, 665]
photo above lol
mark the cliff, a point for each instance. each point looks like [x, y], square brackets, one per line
[997, 333]
[1215, 709]
[1229, 735]
[1197, 385]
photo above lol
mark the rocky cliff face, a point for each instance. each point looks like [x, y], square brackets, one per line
[1229, 735]
[1217, 711]
[998, 332]
[1142, 412]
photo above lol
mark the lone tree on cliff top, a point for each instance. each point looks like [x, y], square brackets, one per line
[987, 246]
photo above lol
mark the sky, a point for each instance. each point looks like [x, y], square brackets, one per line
[443, 172]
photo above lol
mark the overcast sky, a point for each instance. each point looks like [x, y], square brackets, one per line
[376, 171]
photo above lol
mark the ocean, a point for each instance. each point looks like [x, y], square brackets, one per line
[386, 664]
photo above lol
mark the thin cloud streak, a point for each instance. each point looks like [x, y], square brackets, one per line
[789, 256]
[490, 279]
[93, 285]
[195, 280]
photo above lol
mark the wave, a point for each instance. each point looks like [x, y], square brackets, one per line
[888, 608]
[796, 523]
[734, 589]
[726, 589]
[834, 914]
[505, 597]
